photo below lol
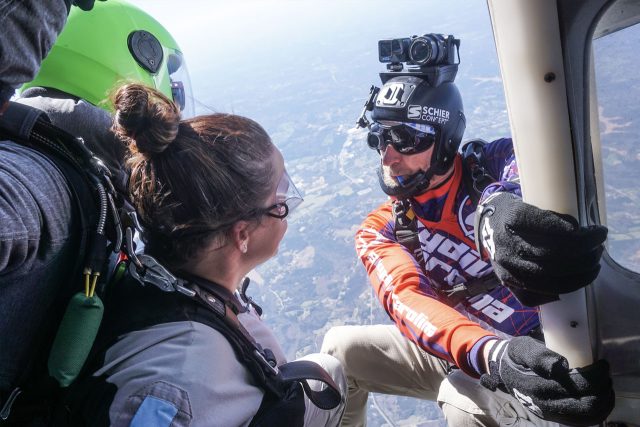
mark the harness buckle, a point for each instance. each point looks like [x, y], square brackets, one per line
[152, 272]
[460, 288]
[273, 369]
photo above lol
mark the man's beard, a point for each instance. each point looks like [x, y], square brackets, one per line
[403, 186]
[389, 180]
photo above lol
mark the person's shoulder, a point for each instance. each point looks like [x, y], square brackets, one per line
[32, 183]
[498, 149]
[186, 363]
[64, 110]
[178, 347]
[501, 142]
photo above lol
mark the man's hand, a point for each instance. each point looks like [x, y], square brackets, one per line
[538, 254]
[543, 383]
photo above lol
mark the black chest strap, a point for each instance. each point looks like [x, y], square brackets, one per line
[462, 291]
[406, 228]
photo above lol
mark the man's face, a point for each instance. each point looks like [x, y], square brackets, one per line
[396, 165]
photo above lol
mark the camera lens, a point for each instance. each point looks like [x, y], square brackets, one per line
[429, 49]
[374, 140]
[421, 51]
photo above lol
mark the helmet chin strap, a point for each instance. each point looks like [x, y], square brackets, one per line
[411, 186]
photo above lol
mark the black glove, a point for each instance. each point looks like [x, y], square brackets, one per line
[538, 254]
[82, 4]
[541, 380]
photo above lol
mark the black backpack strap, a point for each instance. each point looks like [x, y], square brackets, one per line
[31, 127]
[287, 373]
[474, 172]
[93, 200]
[275, 378]
[305, 370]
[406, 228]
[462, 291]
[18, 120]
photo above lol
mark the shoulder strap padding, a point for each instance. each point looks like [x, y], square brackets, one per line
[18, 120]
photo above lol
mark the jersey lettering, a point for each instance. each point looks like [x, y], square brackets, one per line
[442, 254]
[492, 308]
[420, 320]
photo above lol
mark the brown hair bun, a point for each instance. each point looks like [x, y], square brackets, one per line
[145, 119]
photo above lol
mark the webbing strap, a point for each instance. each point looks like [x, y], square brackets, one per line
[17, 124]
[462, 291]
[86, 177]
[273, 377]
[305, 370]
[135, 307]
[406, 228]
[18, 120]
[474, 173]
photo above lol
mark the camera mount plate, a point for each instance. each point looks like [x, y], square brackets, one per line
[435, 75]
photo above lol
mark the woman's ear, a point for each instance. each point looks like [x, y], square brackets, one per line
[240, 235]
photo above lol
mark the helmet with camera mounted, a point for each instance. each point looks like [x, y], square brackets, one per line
[113, 43]
[416, 107]
[412, 100]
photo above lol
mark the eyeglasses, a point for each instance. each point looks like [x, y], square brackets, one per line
[287, 198]
[406, 138]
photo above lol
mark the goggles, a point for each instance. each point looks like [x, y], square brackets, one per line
[406, 138]
[287, 198]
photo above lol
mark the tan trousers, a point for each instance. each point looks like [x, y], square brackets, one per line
[379, 359]
[314, 416]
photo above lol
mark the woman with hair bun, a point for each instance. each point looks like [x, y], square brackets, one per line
[212, 195]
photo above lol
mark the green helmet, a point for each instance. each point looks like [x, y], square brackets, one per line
[114, 43]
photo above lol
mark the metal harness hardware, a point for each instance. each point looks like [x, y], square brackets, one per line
[147, 270]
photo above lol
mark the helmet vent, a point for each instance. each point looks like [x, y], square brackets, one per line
[146, 50]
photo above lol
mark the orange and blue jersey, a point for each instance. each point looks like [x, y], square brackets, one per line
[408, 290]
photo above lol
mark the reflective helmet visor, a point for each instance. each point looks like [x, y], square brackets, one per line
[180, 84]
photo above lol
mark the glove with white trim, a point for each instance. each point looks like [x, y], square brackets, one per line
[538, 254]
[543, 383]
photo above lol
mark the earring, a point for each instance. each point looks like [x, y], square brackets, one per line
[243, 247]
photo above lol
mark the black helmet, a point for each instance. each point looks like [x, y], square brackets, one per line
[410, 99]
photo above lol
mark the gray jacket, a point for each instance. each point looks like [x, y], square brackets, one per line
[184, 373]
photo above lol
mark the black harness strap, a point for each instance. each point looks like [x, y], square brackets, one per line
[132, 306]
[476, 178]
[462, 291]
[274, 378]
[475, 175]
[99, 231]
[406, 228]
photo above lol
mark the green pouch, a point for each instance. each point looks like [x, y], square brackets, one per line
[75, 337]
